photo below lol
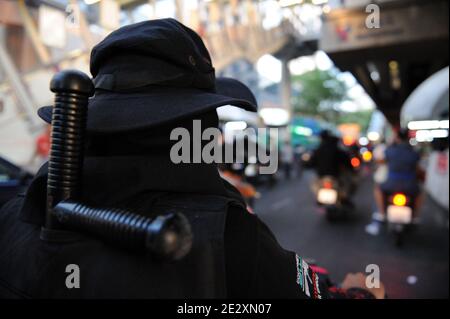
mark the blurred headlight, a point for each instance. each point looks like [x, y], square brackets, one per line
[250, 170]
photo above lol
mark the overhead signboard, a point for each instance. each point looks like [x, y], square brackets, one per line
[346, 30]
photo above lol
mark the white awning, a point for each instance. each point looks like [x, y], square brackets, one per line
[429, 101]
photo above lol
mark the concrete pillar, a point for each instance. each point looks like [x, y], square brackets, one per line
[152, 4]
[286, 93]
[286, 86]
[109, 14]
[179, 10]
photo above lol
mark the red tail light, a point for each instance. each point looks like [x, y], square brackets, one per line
[355, 162]
[327, 185]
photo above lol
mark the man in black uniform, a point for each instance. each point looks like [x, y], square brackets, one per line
[150, 78]
[330, 160]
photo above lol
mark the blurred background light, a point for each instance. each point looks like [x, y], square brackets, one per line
[363, 141]
[302, 130]
[373, 136]
[274, 116]
[235, 126]
[89, 2]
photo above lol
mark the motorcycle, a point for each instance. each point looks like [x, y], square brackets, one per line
[399, 214]
[331, 200]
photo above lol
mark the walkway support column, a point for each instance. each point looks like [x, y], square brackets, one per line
[286, 91]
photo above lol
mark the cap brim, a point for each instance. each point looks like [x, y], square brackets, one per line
[118, 112]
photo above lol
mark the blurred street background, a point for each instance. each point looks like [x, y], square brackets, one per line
[359, 69]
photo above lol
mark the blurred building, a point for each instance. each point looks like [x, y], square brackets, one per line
[41, 37]
[390, 47]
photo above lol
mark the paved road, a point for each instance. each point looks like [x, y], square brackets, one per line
[290, 212]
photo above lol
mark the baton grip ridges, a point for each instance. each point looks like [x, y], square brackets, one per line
[166, 236]
[72, 90]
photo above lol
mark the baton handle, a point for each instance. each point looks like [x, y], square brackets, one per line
[72, 90]
[166, 237]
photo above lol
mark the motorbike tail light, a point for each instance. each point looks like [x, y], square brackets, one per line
[399, 200]
[355, 162]
[328, 185]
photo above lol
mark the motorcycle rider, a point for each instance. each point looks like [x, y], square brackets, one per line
[404, 174]
[330, 160]
[150, 78]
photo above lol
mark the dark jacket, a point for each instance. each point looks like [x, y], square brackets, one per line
[329, 160]
[234, 253]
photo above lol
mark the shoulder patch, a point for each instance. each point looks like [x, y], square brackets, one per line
[307, 279]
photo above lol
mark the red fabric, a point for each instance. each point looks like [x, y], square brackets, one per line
[43, 145]
[319, 270]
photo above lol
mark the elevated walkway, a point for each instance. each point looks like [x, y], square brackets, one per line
[390, 61]
[27, 62]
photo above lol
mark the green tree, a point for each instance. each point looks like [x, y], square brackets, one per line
[318, 92]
